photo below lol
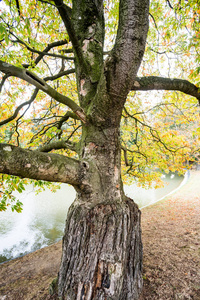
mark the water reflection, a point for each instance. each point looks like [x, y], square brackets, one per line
[40, 224]
[144, 197]
[43, 218]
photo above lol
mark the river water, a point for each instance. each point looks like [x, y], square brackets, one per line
[42, 220]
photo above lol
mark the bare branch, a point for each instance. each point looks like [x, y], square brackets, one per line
[73, 132]
[169, 4]
[60, 74]
[68, 115]
[47, 49]
[3, 81]
[127, 162]
[154, 133]
[43, 53]
[66, 50]
[125, 156]
[34, 96]
[43, 131]
[161, 83]
[154, 21]
[20, 107]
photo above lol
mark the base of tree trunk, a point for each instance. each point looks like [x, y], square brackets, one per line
[102, 253]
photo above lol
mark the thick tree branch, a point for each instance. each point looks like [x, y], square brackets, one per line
[37, 165]
[42, 85]
[161, 83]
[66, 17]
[123, 63]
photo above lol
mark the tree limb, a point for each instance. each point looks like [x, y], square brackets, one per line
[125, 58]
[19, 107]
[33, 79]
[70, 114]
[60, 74]
[154, 134]
[42, 53]
[125, 150]
[169, 4]
[3, 81]
[66, 17]
[161, 83]
[127, 163]
[18, 7]
[37, 165]
[59, 145]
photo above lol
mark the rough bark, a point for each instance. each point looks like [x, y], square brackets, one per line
[102, 248]
[125, 59]
[102, 252]
[37, 165]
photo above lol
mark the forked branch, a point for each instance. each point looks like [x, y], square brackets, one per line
[54, 77]
[44, 52]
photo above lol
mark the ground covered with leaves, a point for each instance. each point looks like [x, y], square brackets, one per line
[171, 240]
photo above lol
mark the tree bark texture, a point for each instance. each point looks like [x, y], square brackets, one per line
[102, 248]
[102, 252]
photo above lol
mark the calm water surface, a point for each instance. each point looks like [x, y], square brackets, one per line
[43, 218]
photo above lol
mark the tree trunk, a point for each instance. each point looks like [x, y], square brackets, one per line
[102, 252]
[102, 248]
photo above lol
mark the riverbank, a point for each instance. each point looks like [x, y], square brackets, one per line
[171, 240]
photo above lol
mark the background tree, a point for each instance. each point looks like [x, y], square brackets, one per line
[56, 130]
